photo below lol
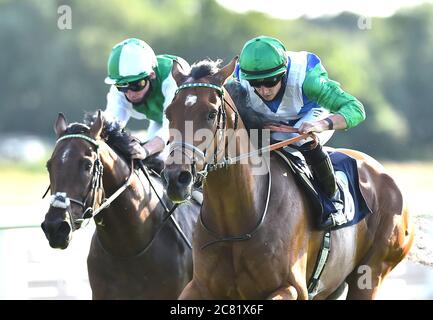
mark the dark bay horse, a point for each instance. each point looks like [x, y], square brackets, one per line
[134, 253]
[255, 238]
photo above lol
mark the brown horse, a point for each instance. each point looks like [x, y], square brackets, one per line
[256, 238]
[135, 252]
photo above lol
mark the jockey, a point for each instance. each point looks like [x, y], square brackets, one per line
[294, 88]
[142, 86]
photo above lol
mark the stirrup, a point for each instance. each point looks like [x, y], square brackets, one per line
[339, 217]
[327, 224]
[336, 218]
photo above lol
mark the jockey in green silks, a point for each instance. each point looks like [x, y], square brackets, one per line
[293, 88]
[142, 86]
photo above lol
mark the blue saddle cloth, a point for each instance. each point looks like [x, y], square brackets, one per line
[346, 174]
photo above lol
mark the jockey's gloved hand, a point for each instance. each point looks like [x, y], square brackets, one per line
[136, 150]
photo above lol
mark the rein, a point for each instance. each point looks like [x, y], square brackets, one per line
[245, 236]
[169, 214]
[62, 201]
[226, 161]
[208, 167]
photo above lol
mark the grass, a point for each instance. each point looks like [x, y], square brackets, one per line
[22, 184]
[25, 184]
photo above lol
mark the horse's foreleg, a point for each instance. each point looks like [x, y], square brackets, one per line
[287, 293]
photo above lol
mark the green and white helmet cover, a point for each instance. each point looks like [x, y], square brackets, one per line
[262, 57]
[130, 60]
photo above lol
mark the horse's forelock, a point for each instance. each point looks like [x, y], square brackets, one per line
[77, 128]
[204, 68]
[112, 132]
[110, 127]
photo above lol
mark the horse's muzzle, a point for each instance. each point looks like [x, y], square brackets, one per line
[58, 233]
[177, 183]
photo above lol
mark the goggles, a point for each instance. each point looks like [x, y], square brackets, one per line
[267, 82]
[137, 85]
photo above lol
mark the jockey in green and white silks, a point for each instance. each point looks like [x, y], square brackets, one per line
[294, 88]
[142, 86]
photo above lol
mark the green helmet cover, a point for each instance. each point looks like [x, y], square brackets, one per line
[130, 60]
[262, 57]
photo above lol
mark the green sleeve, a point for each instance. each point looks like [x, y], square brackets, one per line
[328, 94]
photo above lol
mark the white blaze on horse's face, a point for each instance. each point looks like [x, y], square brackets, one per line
[190, 100]
[65, 155]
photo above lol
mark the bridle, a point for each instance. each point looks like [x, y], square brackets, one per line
[63, 201]
[221, 127]
[210, 163]
[198, 176]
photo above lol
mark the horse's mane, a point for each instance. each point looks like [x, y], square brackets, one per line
[112, 132]
[204, 68]
[250, 118]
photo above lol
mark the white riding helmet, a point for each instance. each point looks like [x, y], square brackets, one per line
[130, 60]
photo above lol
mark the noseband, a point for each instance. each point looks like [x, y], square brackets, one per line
[220, 129]
[201, 175]
[216, 165]
[62, 201]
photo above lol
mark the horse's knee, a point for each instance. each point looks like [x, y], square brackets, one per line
[287, 293]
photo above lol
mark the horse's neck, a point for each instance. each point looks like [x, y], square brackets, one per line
[130, 221]
[234, 199]
[116, 171]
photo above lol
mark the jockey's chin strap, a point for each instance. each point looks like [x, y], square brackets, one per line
[62, 201]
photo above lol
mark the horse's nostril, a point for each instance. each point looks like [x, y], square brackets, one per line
[64, 228]
[184, 178]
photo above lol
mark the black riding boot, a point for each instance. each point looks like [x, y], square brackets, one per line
[321, 166]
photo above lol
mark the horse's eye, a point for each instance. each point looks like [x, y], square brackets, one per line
[212, 115]
[88, 165]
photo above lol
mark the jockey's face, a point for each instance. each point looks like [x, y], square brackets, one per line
[137, 96]
[268, 94]
[268, 88]
[138, 90]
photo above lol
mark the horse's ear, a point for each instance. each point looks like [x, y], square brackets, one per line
[222, 75]
[180, 71]
[96, 128]
[60, 125]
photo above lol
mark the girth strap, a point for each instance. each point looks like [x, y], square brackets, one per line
[320, 265]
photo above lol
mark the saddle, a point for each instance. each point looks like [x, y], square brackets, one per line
[355, 207]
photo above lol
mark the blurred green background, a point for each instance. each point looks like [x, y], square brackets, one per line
[387, 64]
[46, 70]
